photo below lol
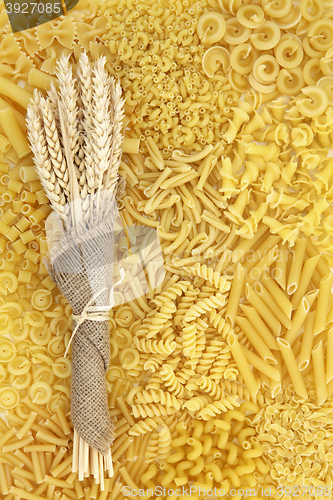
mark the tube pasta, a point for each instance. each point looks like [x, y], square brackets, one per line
[325, 290]
[242, 364]
[319, 373]
[13, 132]
[292, 367]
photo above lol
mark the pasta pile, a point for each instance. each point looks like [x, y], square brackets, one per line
[298, 446]
[220, 376]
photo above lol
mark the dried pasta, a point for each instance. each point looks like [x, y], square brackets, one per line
[221, 375]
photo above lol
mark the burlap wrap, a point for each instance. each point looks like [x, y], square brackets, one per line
[89, 261]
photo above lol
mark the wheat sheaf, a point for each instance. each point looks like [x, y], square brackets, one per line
[76, 134]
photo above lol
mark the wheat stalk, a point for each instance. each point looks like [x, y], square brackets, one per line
[52, 96]
[36, 135]
[68, 102]
[84, 75]
[117, 104]
[101, 122]
[76, 138]
[79, 141]
[54, 147]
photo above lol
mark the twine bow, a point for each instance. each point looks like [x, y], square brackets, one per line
[94, 313]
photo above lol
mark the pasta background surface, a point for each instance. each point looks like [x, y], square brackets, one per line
[221, 375]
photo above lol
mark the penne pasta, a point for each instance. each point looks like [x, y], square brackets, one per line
[280, 270]
[255, 340]
[264, 264]
[299, 316]
[329, 356]
[296, 266]
[323, 300]
[235, 294]
[13, 132]
[305, 279]
[267, 369]
[262, 309]
[307, 342]
[291, 364]
[14, 92]
[319, 373]
[260, 326]
[276, 292]
[242, 364]
[272, 304]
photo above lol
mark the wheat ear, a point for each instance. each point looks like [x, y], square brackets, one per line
[36, 135]
[68, 103]
[102, 125]
[117, 104]
[53, 102]
[84, 76]
[54, 147]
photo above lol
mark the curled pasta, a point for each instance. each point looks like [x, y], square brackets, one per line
[211, 27]
[266, 69]
[312, 10]
[129, 358]
[151, 410]
[251, 16]
[7, 325]
[320, 34]
[142, 427]
[154, 346]
[40, 393]
[209, 275]
[170, 380]
[9, 398]
[8, 282]
[278, 9]
[312, 71]
[62, 368]
[235, 32]
[35, 318]
[289, 53]
[266, 37]
[315, 105]
[19, 365]
[326, 83]
[41, 300]
[40, 335]
[243, 57]
[7, 351]
[213, 58]
[290, 81]
[217, 407]
[122, 337]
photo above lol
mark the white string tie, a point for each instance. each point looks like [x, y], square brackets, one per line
[94, 313]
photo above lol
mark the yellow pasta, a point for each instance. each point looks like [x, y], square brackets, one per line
[13, 132]
[325, 289]
[292, 367]
[242, 364]
[228, 124]
[211, 27]
[319, 373]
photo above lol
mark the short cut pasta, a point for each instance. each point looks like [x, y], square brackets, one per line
[220, 375]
